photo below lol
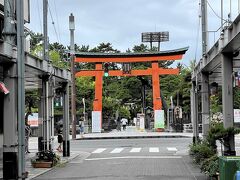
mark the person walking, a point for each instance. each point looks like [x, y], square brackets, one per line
[124, 122]
[81, 128]
[28, 130]
[27, 135]
[60, 139]
[118, 124]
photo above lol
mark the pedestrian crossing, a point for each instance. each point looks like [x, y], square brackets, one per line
[116, 150]
[99, 150]
[133, 150]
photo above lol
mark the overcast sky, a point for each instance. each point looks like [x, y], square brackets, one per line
[121, 22]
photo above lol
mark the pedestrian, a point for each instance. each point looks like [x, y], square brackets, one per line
[27, 135]
[60, 139]
[124, 122]
[28, 131]
[118, 124]
[81, 128]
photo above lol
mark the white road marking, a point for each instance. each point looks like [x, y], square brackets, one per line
[135, 157]
[116, 150]
[99, 150]
[135, 150]
[154, 149]
[171, 149]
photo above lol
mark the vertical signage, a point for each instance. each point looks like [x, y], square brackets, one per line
[159, 119]
[96, 121]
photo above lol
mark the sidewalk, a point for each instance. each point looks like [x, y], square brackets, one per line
[132, 132]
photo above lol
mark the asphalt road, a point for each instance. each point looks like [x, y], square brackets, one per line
[128, 159]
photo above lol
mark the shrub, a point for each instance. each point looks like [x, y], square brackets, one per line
[47, 156]
[210, 166]
[201, 151]
[205, 152]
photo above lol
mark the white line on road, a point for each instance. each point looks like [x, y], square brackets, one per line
[136, 157]
[154, 149]
[135, 150]
[99, 150]
[116, 150]
[171, 149]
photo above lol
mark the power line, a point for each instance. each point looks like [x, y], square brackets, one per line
[40, 20]
[55, 8]
[54, 25]
[215, 12]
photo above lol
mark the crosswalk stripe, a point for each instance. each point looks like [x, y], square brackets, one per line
[116, 150]
[99, 150]
[153, 149]
[171, 149]
[134, 150]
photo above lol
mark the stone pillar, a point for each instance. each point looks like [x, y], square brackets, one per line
[205, 103]
[227, 98]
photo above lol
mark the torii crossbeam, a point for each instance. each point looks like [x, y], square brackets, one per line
[155, 71]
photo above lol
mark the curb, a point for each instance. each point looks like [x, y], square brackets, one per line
[64, 161]
[132, 137]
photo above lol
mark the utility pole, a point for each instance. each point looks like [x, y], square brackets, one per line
[238, 6]
[204, 27]
[73, 92]
[21, 89]
[205, 102]
[222, 14]
[46, 88]
[45, 30]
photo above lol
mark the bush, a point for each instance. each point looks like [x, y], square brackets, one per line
[210, 166]
[201, 151]
[46, 156]
[205, 152]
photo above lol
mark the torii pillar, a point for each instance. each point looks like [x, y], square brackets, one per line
[97, 104]
[157, 102]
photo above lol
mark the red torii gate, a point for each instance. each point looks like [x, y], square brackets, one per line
[155, 71]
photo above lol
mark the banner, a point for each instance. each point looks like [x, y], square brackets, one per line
[159, 119]
[96, 121]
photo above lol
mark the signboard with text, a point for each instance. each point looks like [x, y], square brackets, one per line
[33, 120]
[237, 115]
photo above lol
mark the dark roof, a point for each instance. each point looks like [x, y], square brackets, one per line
[135, 54]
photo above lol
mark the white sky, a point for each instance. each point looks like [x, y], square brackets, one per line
[121, 22]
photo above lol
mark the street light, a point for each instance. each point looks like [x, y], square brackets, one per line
[73, 93]
[84, 109]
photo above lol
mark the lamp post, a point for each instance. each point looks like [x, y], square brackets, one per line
[73, 92]
[84, 109]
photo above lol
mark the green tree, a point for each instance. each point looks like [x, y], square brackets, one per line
[35, 39]
[84, 89]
